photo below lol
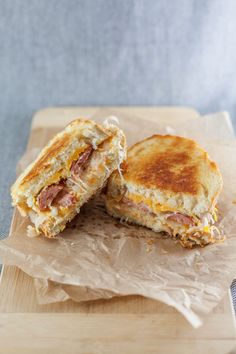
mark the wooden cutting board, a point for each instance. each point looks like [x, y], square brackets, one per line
[129, 324]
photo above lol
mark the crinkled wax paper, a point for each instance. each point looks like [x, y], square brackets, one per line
[100, 257]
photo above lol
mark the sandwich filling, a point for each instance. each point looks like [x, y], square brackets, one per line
[58, 202]
[73, 187]
[61, 194]
[190, 230]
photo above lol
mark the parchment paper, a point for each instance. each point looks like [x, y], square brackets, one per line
[99, 257]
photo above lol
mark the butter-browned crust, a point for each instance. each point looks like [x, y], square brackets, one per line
[44, 162]
[169, 163]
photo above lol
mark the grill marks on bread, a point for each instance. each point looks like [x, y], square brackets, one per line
[45, 162]
[172, 166]
[170, 171]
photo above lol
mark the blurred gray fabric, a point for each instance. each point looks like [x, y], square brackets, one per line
[109, 52]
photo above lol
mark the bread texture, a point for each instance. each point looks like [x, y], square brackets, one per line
[53, 167]
[162, 176]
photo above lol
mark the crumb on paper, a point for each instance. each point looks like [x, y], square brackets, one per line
[150, 241]
[149, 247]
[234, 201]
[164, 251]
[198, 265]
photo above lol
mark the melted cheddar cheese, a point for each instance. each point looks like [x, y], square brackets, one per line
[62, 211]
[156, 207]
[55, 178]
[206, 229]
[74, 157]
[64, 172]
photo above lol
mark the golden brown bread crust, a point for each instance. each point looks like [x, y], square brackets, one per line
[168, 163]
[44, 162]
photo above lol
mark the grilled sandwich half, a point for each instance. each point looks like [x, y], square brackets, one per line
[169, 184]
[72, 167]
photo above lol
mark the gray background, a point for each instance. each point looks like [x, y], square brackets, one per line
[109, 52]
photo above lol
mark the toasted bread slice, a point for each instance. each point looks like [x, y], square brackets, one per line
[164, 176]
[73, 166]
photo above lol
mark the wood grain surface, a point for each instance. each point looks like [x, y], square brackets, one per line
[130, 324]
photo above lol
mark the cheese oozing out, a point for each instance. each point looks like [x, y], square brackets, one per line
[203, 230]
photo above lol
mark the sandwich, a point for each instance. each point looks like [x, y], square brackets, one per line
[168, 184]
[70, 169]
